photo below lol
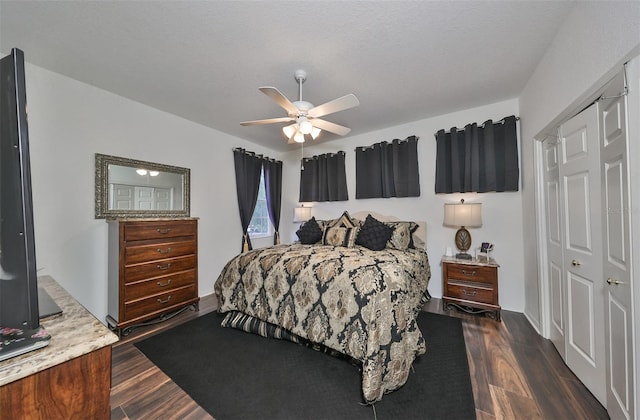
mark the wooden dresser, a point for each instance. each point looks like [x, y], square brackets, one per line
[471, 285]
[153, 271]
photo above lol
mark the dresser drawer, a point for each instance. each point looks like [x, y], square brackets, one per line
[470, 291]
[471, 273]
[157, 230]
[157, 251]
[144, 288]
[158, 303]
[158, 268]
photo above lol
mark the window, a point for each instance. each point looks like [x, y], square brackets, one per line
[260, 225]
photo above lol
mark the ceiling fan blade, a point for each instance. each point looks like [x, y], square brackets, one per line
[340, 104]
[280, 99]
[268, 121]
[330, 127]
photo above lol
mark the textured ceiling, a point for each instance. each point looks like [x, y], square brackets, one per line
[204, 60]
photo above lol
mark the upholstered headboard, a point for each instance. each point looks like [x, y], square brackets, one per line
[419, 236]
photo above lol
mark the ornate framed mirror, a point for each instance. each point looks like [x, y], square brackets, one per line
[135, 188]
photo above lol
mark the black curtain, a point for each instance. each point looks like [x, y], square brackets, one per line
[323, 178]
[478, 158]
[248, 168]
[273, 187]
[388, 169]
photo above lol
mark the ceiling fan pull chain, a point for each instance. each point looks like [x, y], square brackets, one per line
[302, 157]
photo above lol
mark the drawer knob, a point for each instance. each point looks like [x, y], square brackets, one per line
[160, 284]
[163, 267]
[163, 231]
[469, 273]
[165, 301]
[164, 251]
[467, 293]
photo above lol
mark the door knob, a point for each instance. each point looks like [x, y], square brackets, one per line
[575, 263]
[614, 281]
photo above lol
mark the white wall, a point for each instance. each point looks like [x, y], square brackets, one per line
[501, 212]
[589, 48]
[68, 123]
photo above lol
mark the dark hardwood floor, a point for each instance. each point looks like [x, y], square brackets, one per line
[515, 373]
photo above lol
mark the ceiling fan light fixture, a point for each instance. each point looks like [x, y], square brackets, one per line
[290, 130]
[298, 137]
[305, 125]
[315, 132]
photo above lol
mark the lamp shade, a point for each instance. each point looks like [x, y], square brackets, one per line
[298, 137]
[463, 214]
[301, 214]
[289, 130]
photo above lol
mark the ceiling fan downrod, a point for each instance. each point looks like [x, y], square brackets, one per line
[300, 76]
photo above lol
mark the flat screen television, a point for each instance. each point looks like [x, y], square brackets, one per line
[20, 329]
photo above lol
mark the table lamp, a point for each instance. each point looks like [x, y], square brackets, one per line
[301, 214]
[463, 215]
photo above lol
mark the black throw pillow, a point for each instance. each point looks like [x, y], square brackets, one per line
[309, 232]
[374, 234]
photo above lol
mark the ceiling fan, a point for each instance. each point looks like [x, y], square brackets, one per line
[306, 117]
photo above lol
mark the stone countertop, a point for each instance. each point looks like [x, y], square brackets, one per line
[490, 262]
[73, 333]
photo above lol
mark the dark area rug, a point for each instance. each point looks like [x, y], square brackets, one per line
[237, 375]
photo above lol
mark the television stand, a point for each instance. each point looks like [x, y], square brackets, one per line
[71, 377]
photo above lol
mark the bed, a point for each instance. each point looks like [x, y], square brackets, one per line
[338, 295]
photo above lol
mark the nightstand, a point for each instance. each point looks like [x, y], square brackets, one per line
[471, 286]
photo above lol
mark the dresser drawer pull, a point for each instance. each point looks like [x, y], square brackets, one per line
[164, 267]
[164, 284]
[471, 293]
[469, 273]
[166, 251]
[163, 231]
[165, 301]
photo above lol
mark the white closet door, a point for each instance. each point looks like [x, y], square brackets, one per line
[581, 192]
[162, 199]
[144, 198]
[617, 255]
[121, 197]
[554, 261]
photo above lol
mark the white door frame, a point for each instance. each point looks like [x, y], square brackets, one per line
[633, 149]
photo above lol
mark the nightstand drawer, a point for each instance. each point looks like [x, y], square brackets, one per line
[471, 292]
[472, 273]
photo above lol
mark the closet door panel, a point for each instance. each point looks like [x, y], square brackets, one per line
[583, 248]
[554, 263]
[582, 329]
[557, 301]
[577, 204]
[616, 259]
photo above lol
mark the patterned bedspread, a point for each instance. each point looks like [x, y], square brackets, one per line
[359, 302]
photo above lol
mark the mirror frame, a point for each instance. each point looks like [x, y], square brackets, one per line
[102, 211]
